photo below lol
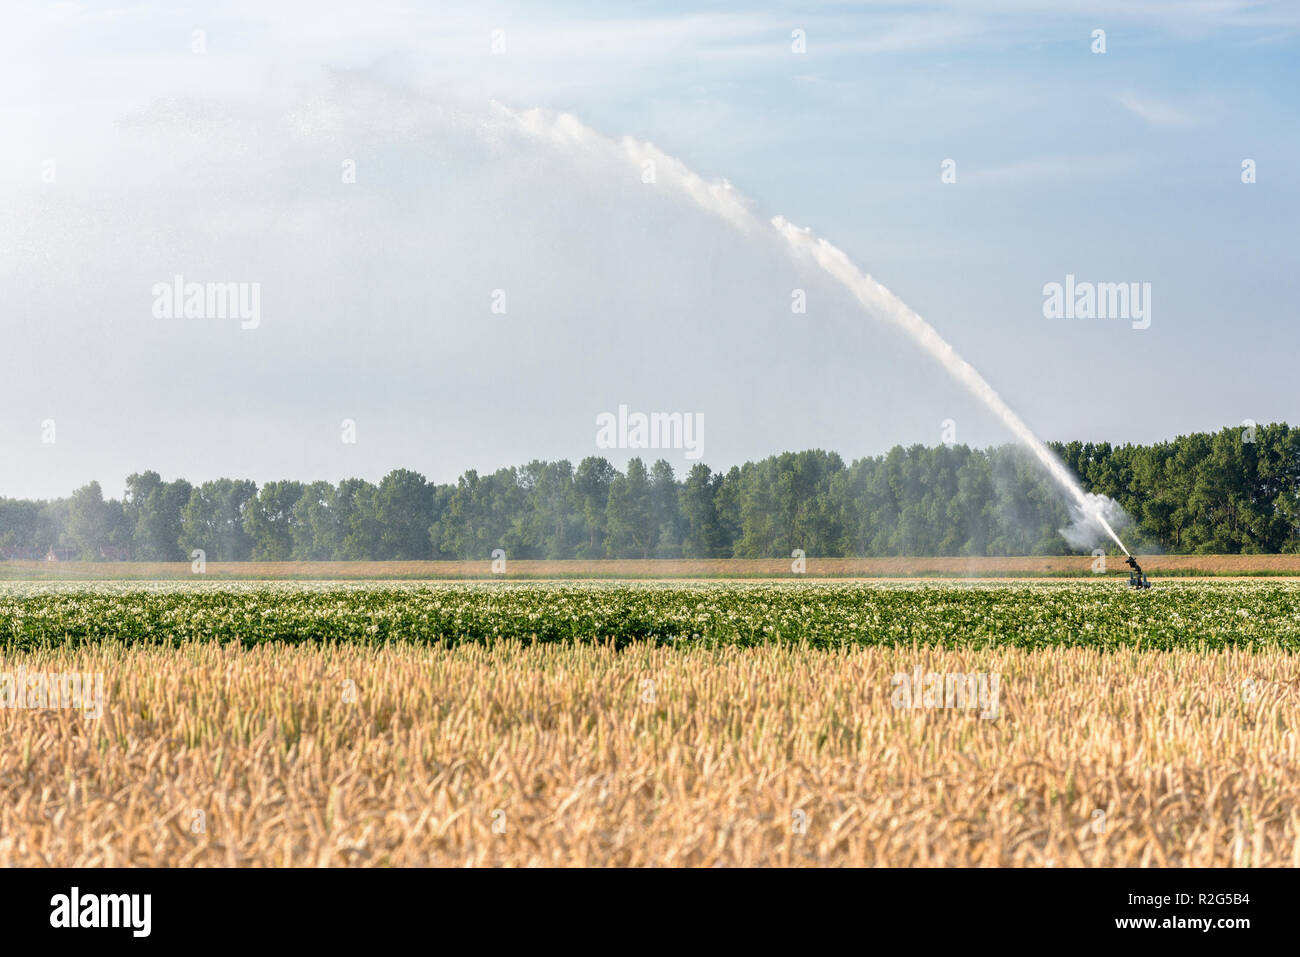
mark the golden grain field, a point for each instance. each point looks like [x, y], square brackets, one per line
[504, 754]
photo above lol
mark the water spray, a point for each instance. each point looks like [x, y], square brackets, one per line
[880, 301]
[566, 132]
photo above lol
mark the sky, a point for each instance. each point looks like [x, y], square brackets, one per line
[460, 261]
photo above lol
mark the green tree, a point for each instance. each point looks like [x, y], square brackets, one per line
[592, 482]
[89, 524]
[213, 520]
[152, 511]
[403, 506]
[316, 528]
[356, 514]
[269, 521]
[629, 516]
[703, 537]
[667, 525]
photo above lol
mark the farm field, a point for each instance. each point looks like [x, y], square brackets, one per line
[901, 567]
[389, 724]
[1188, 615]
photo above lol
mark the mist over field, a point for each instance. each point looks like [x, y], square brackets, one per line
[368, 177]
[377, 297]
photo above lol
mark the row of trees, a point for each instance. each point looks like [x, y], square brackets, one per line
[1233, 491]
[1237, 490]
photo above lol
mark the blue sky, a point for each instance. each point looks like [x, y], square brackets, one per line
[1115, 167]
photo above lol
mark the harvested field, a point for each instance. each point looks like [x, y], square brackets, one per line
[911, 567]
[569, 754]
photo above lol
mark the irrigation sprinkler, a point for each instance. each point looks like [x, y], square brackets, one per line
[1136, 578]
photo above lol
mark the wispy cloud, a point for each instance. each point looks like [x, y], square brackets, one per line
[1162, 113]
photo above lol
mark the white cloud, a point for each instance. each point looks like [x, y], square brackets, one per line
[1161, 113]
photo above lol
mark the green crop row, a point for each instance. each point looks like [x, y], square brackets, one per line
[1103, 615]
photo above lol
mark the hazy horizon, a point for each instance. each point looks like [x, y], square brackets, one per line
[367, 172]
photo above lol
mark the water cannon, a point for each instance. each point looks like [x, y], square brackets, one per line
[1136, 578]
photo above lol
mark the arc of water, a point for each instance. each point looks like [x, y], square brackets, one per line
[566, 132]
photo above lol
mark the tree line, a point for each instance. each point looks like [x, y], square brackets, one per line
[1237, 490]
